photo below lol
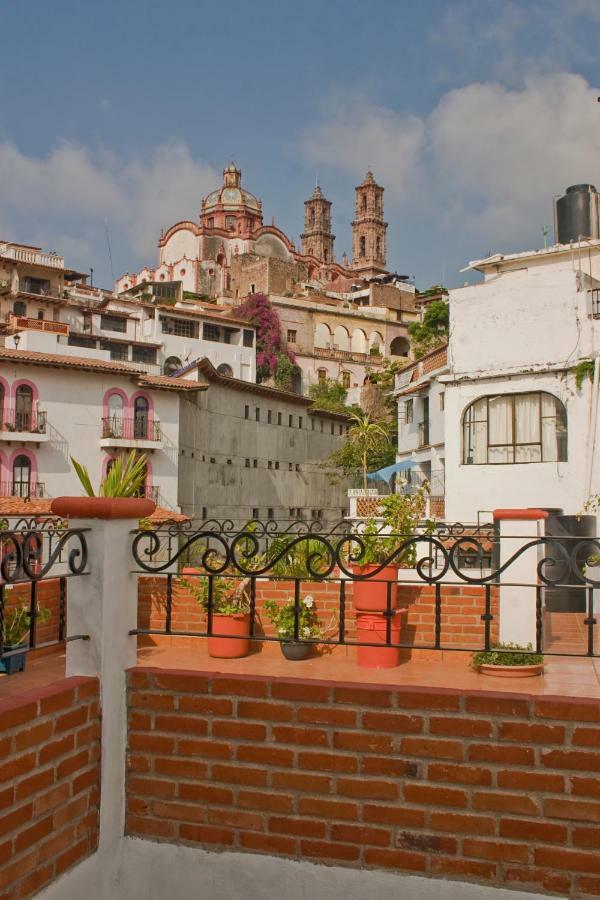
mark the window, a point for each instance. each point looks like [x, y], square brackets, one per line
[312, 424]
[248, 338]
[257, 413]
[332, 428]
[230, 223]
[246, 412]
[40, 314]
[211, 222]
[291, 336]
[363, 246]
[24, 410]
[277, 464]
[269, 465]
[114, 424]
[171, 365]
[19, 308]
[346, 380]
[515, 428]
[269, 416]
[211, 332]
[36, 286]
[225, 369]
[204, 512]
[21, 476]
[409, 411]
[270, 512]
[165, 291]
[255, 512]
[252, 288]
[311, 217]
[255, 464]
[141, 419]
[76, 341]
[279, 418]
[340, 429]
[179, 327]
[364, 202]
[143, 355]
[322, 375]
[290, 467]
[247, 463]
[291, 421]
[442, 401]
[378, 248]
[300, 421]
[118, 352]
[113, 323]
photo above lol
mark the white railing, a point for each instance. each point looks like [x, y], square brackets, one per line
[35, 257]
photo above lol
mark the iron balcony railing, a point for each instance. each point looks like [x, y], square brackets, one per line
[443, 560]
[32, 421]
[25, 489]
[135, 428]
[149, 492]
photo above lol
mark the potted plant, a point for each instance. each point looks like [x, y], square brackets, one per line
[15, 631]
[283, 619]
[118, 494]
[230, 614]
[508, 661]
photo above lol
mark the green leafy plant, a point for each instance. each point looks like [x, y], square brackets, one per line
[15, 626]
[229, 597]
[366, 437]
[433, 331]
[283, 617]
[507, 655]
[402, 515]
[329, 394]
[583, 370]
[294, 562]
[285, 372]
[126, 477]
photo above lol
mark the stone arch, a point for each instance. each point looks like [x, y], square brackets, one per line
[400, 346]
[376, 341]
[359, 341]
[322, 335]
[341, 338]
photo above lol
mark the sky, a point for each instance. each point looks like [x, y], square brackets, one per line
[117, 118]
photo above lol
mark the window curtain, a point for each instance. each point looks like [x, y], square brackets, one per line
[554, 430]
[527, 426]
[475, 434]
[500, 430]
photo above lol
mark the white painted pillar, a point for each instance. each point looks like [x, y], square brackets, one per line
[517, 584]
[103, 605]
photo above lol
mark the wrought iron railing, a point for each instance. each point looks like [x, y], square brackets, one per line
[136, 428]
[32, 553]
[23, 420]
[442, 560]
[26, 490]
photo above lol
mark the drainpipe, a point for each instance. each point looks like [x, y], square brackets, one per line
[593, 426]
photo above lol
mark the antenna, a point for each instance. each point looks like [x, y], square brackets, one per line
[112, 271]
[317, 180]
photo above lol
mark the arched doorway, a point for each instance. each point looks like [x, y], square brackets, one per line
[21, 476]
[400, 346]
[141, 418]
[23, 408]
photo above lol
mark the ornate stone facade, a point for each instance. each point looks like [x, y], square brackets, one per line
[369, 248]
[317, 240]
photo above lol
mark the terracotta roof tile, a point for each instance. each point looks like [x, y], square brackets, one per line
[167, 382]
[35, 357]
[18, 506]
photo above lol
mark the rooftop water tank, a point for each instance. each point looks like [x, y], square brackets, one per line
[578, 214]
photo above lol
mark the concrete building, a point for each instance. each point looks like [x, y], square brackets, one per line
[420, 394]
[519, 431]
[251, 451]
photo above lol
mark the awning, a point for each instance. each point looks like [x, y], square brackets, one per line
[386, 473]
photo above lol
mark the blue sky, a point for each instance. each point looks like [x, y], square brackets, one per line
[121, 116]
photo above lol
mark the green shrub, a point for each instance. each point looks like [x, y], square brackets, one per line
[507, 655]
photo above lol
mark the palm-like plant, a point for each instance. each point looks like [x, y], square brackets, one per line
[126, 477]
[366, 436]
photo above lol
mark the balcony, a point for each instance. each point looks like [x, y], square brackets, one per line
[346, 355]
[131, 432]
[32, 255]
[23, 489]
[20, 323]
[23, 426]
[150, 492]
[423, 434]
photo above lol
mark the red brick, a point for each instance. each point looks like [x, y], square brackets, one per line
[265, 801]
[239, 687]
[426, 843]
[139, 721]
[289, 734]
[530, 781]
[368, 788]
[241, 731]
[295, 826]
[455, 725]
[29, 737]
[394, 815]
[432, 747]
[388, 765]
[236, 818]
[151, 827]
[208, 749]
[325, 715]
[267, 843]
[434, 796]
[85, 780]
[327, 762]
[56, 748]
[586, 787]
[490, 705]
[503, 852]
[137, 807]
[589, 885]
[179, 812]
[181, 724]
[151, 787]
[52, 799]
[204, 793]
[150, 700]
[501, 802]
[239, 774]
[152, 743]
[398, 723]
[67, 766]
[206, 834]
[395, 859]
[572, 809]
[301, 781]
[361, 834]
[465, 868]
[18, 716]
[15, 767]
[459, 774]
[68, 812]
[309, 693]
[534, 831]
[381, 697]
[528, 733]
[502, 753]
[329, 850]
[571, 710]
[555, 882]
[428, 699]
[586, 837]
[30, 836]
[328, 809]
[574, 759]
[586, 737]
[269, 712]
[139, 679]
[170, 681]
[34, 783]
[72, 719]
[571, 860]
[16, 870]
[462, 823]
[16, 817]
[216, 706]
[180, 768]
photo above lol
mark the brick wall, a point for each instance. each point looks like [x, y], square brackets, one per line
[49, 783]
[48, 597]
[462, 607]
[494, 788]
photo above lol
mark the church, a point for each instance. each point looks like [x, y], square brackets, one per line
[230, 252]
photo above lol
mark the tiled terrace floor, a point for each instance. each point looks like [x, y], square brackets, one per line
[563, 676]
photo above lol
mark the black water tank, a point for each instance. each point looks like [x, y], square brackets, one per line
[577, 214]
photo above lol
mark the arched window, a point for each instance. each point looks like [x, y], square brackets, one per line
[399, 346]
[341, 338]
[19, 308]
[21, 476]
[23, 408]
[113, 427]
[363, 246]
[225, 369]
[364, 202]
[141, 418]
[378, 248]
[326, 255]
[322, 375]
[311, 217]
[171, 365]
[346, 380]
[2, 412]
[515, 428]
[322, 335]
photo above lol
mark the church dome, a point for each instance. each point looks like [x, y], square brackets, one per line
[231, 195]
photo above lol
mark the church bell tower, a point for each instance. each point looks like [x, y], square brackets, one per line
[317, 239]
[369, 249]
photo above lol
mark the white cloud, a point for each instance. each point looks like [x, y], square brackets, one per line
[71, 189]
[492, 158]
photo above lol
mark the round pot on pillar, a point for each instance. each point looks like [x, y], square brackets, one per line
[102, 507]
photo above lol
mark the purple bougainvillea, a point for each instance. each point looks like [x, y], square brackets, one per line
[258, 310]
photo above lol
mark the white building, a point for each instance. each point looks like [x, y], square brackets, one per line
[420, 395]
[58, 403]
[519, 432]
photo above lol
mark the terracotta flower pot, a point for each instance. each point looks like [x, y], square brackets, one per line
[512, 671]
[372, 629]
[371, 595]
[102, 507]
[235, 629]
[296, 650]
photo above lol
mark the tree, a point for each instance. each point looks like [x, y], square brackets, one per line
[329, 394]
[367, 446]
[272, 356]
[432, 332]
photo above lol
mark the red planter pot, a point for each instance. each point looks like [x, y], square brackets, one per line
[373, 630]
[235, 628]
[371, 595]
[512, 671]
[102, 507]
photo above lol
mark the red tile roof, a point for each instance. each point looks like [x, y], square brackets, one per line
[18, 506]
